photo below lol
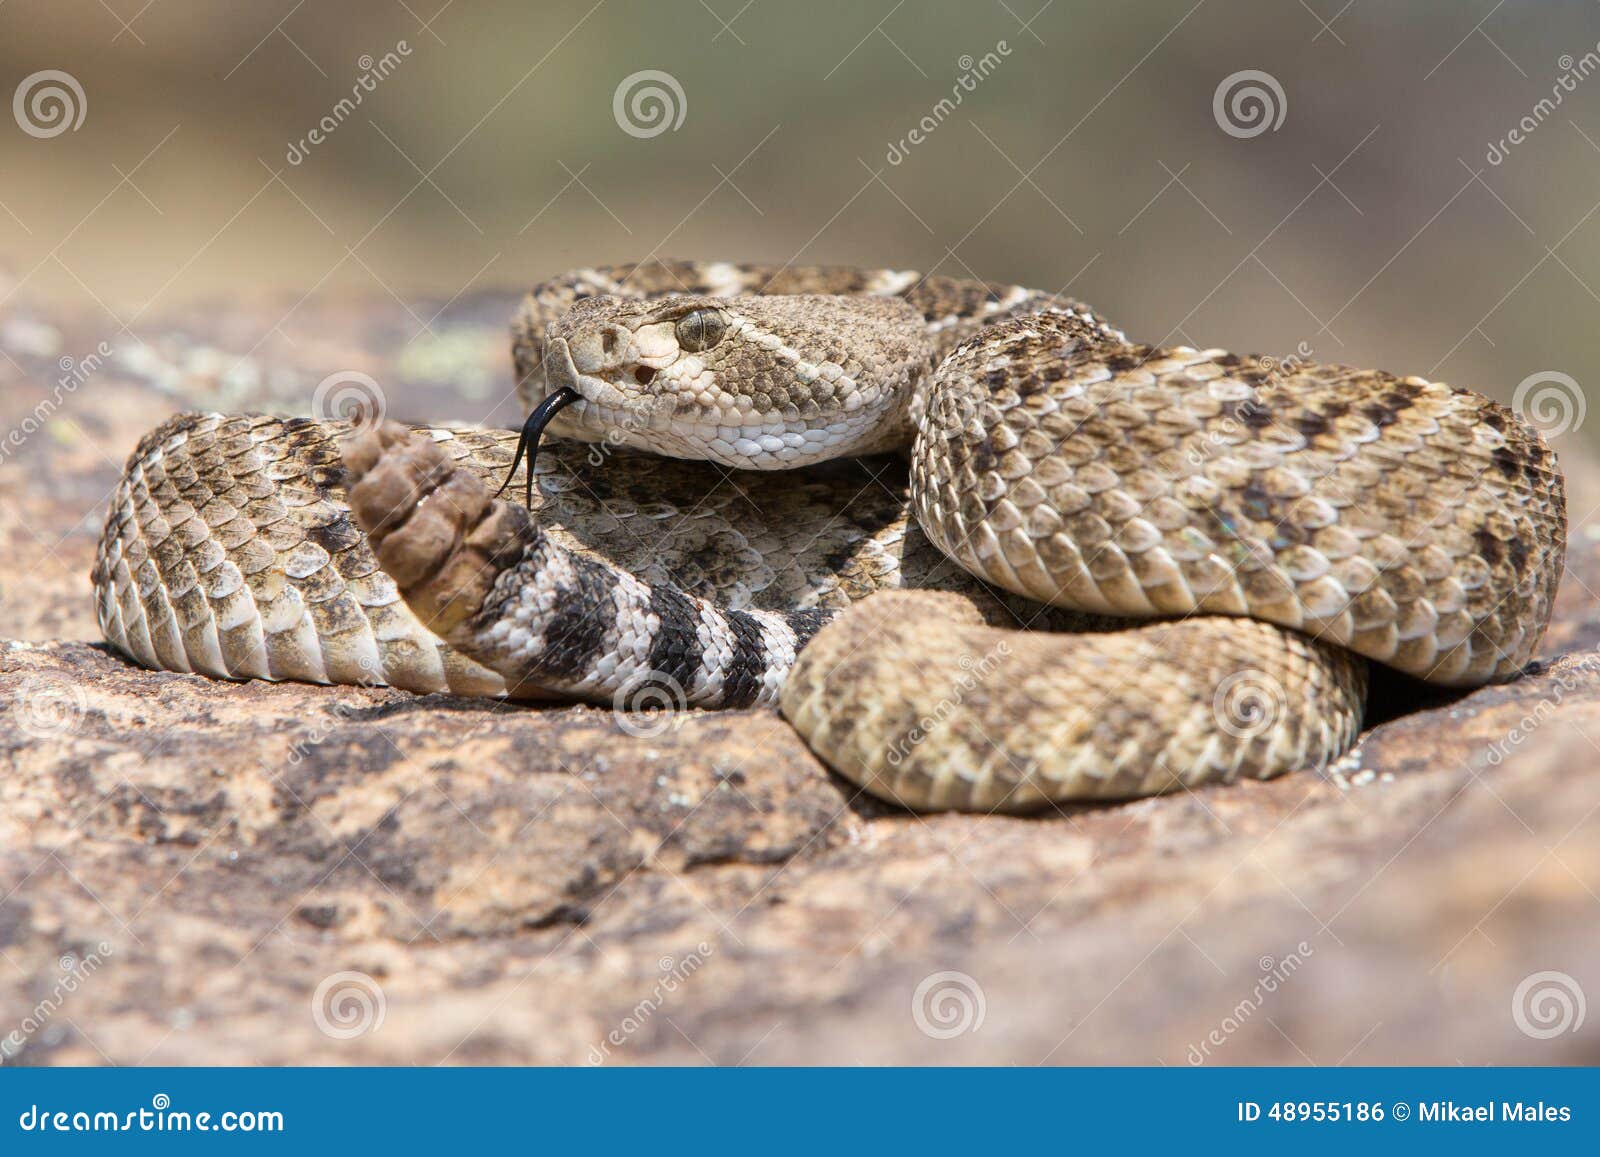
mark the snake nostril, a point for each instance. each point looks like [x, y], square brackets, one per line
[644, 375]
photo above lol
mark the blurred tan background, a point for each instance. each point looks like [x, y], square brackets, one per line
[1368, 226]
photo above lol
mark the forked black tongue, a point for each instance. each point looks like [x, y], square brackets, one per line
[532, 431]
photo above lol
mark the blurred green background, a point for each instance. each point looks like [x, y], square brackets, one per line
[1366, 227]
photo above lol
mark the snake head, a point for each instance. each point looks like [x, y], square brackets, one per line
[754, 382]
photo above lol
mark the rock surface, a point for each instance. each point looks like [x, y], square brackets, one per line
[199, 872]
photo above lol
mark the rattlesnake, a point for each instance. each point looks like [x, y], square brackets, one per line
[1278, 521]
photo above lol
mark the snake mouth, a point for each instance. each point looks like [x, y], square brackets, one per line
[563, 373]
[622, 399]
[593, 396]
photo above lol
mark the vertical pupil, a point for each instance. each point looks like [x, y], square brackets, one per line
[700, 329]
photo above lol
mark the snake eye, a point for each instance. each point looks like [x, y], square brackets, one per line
[700, 329]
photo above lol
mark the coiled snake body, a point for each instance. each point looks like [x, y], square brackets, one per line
[1278, 522]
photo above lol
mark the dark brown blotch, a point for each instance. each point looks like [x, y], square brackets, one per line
[1379, 414]
[1249, 413]
[1256, 502]
[1311, 424]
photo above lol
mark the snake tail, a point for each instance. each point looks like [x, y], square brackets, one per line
[482, 574]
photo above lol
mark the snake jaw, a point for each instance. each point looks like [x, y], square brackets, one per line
[568, 387]
[608, 413]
